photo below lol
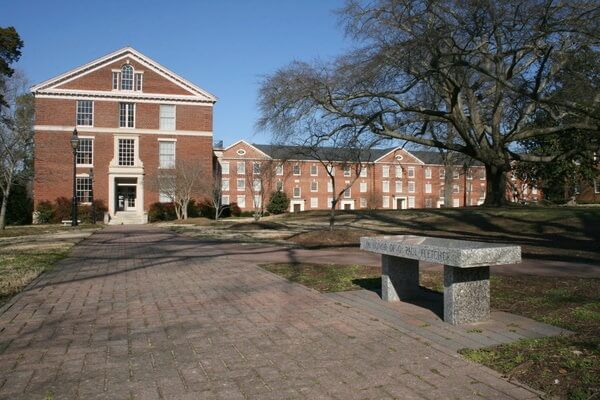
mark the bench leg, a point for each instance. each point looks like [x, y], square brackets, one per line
[466, 294]
[399, 278]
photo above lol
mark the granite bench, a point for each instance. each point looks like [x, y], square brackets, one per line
[466, 270]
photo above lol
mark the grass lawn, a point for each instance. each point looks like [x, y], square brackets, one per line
[567, 367]
[27, 230]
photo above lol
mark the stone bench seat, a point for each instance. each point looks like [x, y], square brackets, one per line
[466, 270]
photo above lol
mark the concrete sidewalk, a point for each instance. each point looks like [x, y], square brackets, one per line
[143, 313]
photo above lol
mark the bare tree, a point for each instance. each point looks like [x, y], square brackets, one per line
[215, 196]
[185, 181]
[16, 137]
[259, 183]
[483, 68]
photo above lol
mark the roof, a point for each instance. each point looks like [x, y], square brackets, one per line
[336, 154]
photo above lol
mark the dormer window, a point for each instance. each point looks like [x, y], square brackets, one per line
[127, 79]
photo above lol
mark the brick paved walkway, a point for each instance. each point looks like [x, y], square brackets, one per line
[142, 313]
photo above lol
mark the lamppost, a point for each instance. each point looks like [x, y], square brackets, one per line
[75, 146]
[465, 171]
[91, 175]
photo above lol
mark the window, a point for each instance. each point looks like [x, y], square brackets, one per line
[411, 201]
[534, 190]
[314, 202]
[313, 170]
[428, 173]
[329, 186]
[241, 184]
[442, 173]
[398, 171]
[85, 113]
[455, 202]
[163, 197]
[411, 187]
[386, 186]
[279, 169]
[469, 174]
[138, 82]
[363, 172]
[167, 117]
[225, 200]
[386, 202]
[241, 167]
[428, 188]
[126, 152]
[455, 174]
[257, 200]
[84, 189]
[296, 169]
[482, 175]
[126, 115]
[297, 192]
[241, 201]
[256, 168]
[597, 186]
[363, 202]
[85, 152]
[363, 187]
[330, 169]
[116, 78]
[166, 154]
[398, 186]
[314, 186]
[347, 171]
[428, 203]
[225, 185]
[411, 172]
[329, 201]
[386, 171]
[348, 193]
[279, 186]
[225, 167]
[442, 190]
[470, 187]
[256, 185]
[127, 77]
[455, 189]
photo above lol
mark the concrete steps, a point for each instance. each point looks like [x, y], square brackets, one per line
[127, 218]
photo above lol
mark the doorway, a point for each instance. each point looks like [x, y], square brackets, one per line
[400, 204]
[125, 194]
[297, 207]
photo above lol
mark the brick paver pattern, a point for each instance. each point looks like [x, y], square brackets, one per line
[144, 313]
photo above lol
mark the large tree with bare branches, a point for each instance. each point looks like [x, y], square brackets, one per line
[482, 69]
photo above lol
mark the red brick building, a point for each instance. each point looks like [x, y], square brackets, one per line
[392, 178]
[133, 115]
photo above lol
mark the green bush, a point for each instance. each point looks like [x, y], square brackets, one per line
[45, 212]
[234, 210]
[19, 207]
[278, 203]
[247, 214]
[85, 212]
[161, 212]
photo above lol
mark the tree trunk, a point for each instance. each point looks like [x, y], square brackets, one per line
[184, 210]
[3, 208]
[495, 191]
[332, 214]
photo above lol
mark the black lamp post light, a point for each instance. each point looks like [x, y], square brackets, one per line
[75, 146]
[91, 175]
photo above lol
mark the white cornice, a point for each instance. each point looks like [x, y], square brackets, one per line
[120, 131]
[120, 96]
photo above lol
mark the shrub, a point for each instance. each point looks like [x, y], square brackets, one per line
[247, 214]
[278, 203]
[44, 212]
[193, 209]
[62, 209]
[161, 212]
[234, 210]
[19, 207]
[86, 212]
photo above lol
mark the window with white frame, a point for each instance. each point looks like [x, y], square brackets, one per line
[363, 187]
[455, 202]
[469, 174]
[411, 187]
[257, 200]
[279, 169]
[296, 169]
[116, 78]
[385, 171]
[363, 202]
[241, 201]
[166, 154]
[279, 185]
[442, 191]
[256, 185]
[398, 171]
[455, 189]
[428, 188]
[127, 115]
[126, 149]
[225, 200]
[411, 172]
[329, 186]
[363, 172]
[482, 175]
[329, 201]
[225, 167]
[411, 201]
[398, 186]
[167, 117]
[85, 113]
[241, 167]
[85, 152]
[127, 77]
[455, 174]
[313, 170]
[83, 185]
[427, 173]
[139, 78]
[428, 202]
[386, 186]
[347, 171]
[241, 184]
[330, 169]
[297, 192]
[469, 187]
[256, 168]
[385, 202]
[163, 197]
[534, 190]
[225, 185]
[348, 193]
[314, 186]
[314, 202]
[442, 173]
[597, 186]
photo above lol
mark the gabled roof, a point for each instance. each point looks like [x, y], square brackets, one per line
[52, 83]
[242, 141]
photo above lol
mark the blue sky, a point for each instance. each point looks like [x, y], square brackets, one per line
[223, 46]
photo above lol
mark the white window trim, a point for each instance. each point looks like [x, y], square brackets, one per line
[410, 172]
[174, 141]
[174, 118]
[228, 167]
[134, 115]
[299, 193]
[414, 187]
[237, 184]
[316, 167]
[85, 175]
[93, 113]
[299, 169]
[385, 171]
[311, 186]
[93, 155]
[279, 169]
[237, 169]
